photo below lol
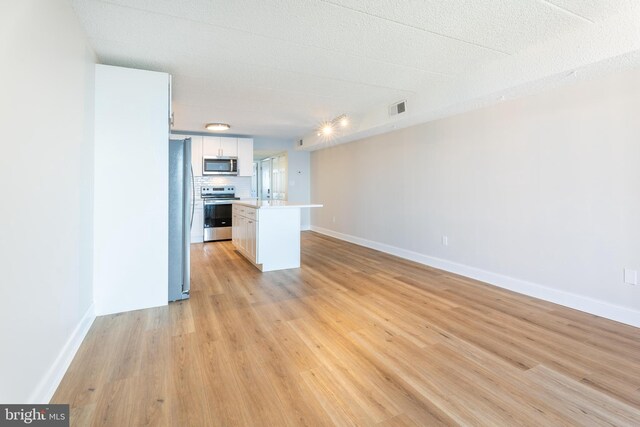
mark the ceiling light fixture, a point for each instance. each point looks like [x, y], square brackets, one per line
[217, 127]
[331, 129]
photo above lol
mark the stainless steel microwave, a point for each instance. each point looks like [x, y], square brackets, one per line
[220, 165]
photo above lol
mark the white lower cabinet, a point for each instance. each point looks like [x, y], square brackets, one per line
[245, 232]
[252, 240]
[234, 228]
[269, 238]
[197, 226]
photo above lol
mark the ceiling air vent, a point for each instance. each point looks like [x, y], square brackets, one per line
[300, 142]
[397, 108]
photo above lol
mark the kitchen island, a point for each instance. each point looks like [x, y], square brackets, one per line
[267, 232]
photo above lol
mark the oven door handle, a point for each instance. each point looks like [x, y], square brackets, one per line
[216, 202]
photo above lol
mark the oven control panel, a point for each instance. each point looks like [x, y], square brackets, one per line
[222, 191]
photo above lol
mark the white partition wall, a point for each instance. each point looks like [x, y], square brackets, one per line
[131, 189]
[46, 182]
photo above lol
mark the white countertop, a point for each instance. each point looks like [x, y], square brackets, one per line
[273, 204]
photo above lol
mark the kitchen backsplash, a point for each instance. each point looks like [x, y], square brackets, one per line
[242, 184]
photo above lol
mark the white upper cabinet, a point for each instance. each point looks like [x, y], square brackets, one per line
[219, 146]
[210, 146]
[229, 147]
[245, 157]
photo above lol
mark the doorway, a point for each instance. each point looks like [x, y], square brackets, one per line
[269, 181]
[265, 179]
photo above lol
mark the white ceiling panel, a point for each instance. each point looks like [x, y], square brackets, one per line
[208, 46]
[504, 25]
[383, 43]
[593, 10]
[278, 67]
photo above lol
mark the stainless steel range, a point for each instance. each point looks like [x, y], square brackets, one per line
[217, 212]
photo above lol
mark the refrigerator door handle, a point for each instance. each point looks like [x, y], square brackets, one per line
[186, 236]
[193, 197]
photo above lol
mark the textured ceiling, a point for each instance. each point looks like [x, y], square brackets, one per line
[278, 67]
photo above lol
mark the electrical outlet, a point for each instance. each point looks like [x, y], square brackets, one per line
[630, 276]
[333, 219]
[445, 240]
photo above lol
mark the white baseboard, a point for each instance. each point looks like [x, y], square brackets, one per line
[51, 380]
[567, 299]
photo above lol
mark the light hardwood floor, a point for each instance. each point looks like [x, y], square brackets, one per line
[354, 337]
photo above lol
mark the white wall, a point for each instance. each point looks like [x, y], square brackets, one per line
[540, 194]
[298, 187]
[131, 219]
[46, 178]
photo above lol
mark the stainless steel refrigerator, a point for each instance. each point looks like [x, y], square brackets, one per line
[180, 218]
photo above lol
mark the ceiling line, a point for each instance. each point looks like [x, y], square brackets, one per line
[437, 73]
[417, 28]
[263, 109]
[410, 91]
[274, 93]
[566, 11]
[199, 104]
